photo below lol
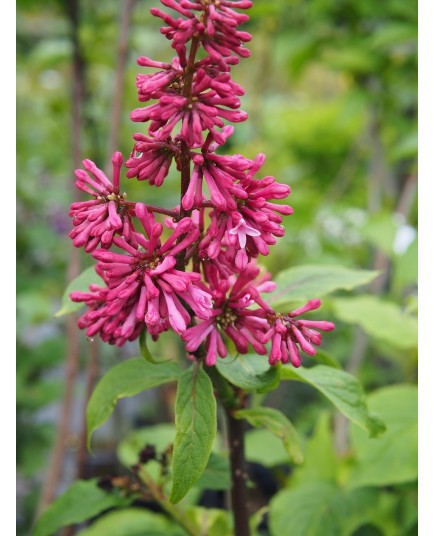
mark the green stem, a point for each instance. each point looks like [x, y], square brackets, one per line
[176, 513]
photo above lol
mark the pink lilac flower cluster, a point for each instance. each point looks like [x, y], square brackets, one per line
[201, 280]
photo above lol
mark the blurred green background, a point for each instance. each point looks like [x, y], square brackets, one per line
[331, 94]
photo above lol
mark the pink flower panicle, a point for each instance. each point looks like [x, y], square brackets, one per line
[226, 218]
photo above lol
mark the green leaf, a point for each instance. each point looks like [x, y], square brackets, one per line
[322, 509]
[265, 448]
[380, 231]
[196, 427]
[356, 58]
[275, 421]
[216, 474]
[406, 147]
[81, 284]
[133, 522]
[302, 283]
[124, 380]
[320, 458]
[406, 267]
[326, 359]
[342, 389]
[144, 350]
[380, 319]
[250, 372]
[392, 458]
[210, 521]
[81, 501]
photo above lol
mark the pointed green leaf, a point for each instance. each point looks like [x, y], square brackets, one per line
[81, 501]
[80, 283]
[342, 389]
[133, 522]
[144, 350]
[320, 458]
[324, 358]
[275, 421]
[380, 319]
[380, 231]
[392, 458]
[265, 448]
[210, 521]
[124, 380]
[302, 283]
[323, 509]
[250, 372]
[196, 427]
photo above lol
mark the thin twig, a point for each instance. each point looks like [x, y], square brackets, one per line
[71, 368]
[91, 378]
[379, 178]
[116, 120]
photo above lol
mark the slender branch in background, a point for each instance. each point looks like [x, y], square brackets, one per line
[77, 76]
[91, 378]
[116, 119]
[379, 178]
[92, 362]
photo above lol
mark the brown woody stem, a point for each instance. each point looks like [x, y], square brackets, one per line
[239, 491]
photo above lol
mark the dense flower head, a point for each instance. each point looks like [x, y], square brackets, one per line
[97, 221]
[152, 86]
[221, 173]
[111, 327]
[247, 229]
[232, 315]
[202, 281]
[203, 109]
[214, 22]
[151, 158]
[144, 279]
[289, 335]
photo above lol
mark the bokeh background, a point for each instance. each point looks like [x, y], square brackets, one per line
[331, 93]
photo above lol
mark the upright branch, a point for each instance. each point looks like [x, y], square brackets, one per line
[124, 31]
[202, 279]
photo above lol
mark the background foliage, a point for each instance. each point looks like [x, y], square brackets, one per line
[331, 94]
